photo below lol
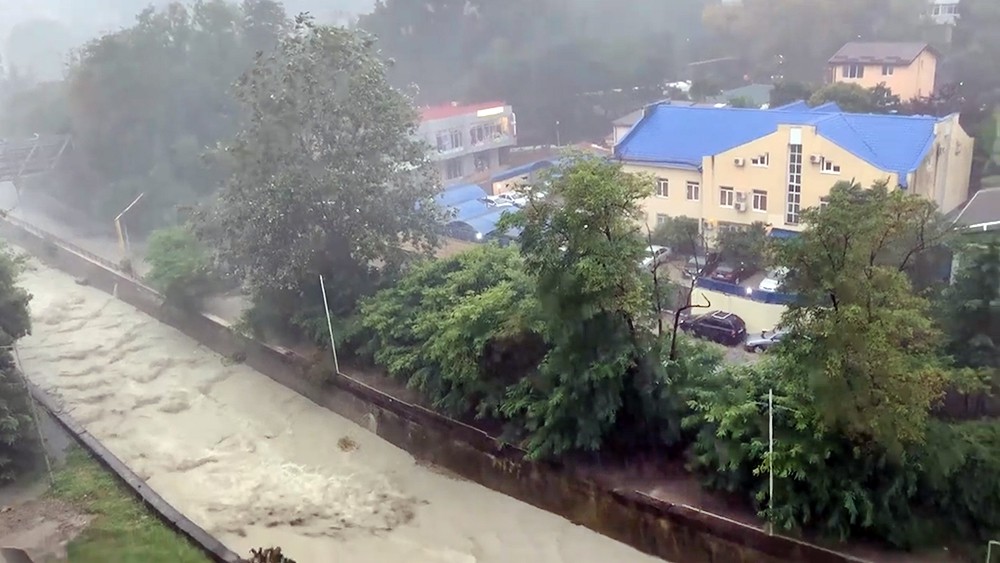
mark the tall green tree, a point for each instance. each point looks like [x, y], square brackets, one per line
[147, 101]
[747, 247]
[17, 444]
[327, 175]
[865, 345]
[971, 307]
[854, 98]
[582, 246]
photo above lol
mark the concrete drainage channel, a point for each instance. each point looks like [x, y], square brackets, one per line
[674, 532]
[177, 521]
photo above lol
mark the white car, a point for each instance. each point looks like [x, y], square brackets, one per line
[774, 279]
[658, 255]
[507, 199]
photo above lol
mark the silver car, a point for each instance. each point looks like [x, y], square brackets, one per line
[767, 340]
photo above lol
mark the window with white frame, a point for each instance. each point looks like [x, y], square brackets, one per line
[661, 218]
[759, 200]
[829, 167]
[662, 187]
[793, 196]
[693, 191]
[887, 70]
[761, 160]
[823, 203]
[726, 196]
[854, 71]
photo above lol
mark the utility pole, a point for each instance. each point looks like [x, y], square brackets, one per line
[329, 325]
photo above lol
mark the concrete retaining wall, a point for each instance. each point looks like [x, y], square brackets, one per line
[678, 533]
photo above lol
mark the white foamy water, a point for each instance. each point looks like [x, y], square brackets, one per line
[258, 465]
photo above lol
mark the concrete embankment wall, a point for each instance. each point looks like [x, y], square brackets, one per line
[677, 533]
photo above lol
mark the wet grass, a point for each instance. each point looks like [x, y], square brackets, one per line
[124, 529]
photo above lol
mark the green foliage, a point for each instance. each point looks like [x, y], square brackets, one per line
[327, 176]
[788, 91]
[854, 98]
[146, 101]
[581, 247]
[461, 330]
[17, 439]
[970, 308]
[180, 267]
[869, 347]
[744, 246]
[680, 234]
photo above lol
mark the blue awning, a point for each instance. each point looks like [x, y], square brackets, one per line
[460, 194]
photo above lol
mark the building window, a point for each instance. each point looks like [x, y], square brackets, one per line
[854, 71]
[453, 169]
[456, 139]
[823, 203]
[829, 167]
[448, 140]
[945, 10]
[762, 160]
[759, 200]
[693, 191]
[661, 218]
[486, 133]
[726, 196]
[662, 188]
[887, 70]
[793, 199]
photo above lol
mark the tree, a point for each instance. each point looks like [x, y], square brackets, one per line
[180, 266]
[147, 101]
[854, 98]
[471, 332]
[327, 175]
[582, 246]
[17, 445]
[679, 234]
[971, 307]
[864, 343]
[747, 247]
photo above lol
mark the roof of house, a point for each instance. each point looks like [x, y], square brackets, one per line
[682, 136]
[634, 117]
[454, 109]
[524, 169]
[756, 94]
[982, 211]
[459, 194]
[879, 53]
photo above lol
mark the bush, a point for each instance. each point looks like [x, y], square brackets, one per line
[181, 268]
[17, 440]
[461, 330]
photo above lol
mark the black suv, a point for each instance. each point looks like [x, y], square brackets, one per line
[717, 326]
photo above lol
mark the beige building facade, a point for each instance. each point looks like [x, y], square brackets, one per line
[908, 69]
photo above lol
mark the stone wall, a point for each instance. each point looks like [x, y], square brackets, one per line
[677, 533]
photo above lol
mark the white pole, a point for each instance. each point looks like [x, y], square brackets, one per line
[329, 325]
[989, 550]
[770, 460]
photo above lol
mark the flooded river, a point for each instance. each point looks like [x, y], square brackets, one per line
[256, 464]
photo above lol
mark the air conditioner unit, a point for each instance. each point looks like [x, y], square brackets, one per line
[739, 161]
[741, 206]
[741, 196]
[815, 158]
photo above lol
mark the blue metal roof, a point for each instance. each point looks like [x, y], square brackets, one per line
[483, 224]
[460, 194]
[682, 136]
[522, 170]
[783, 234]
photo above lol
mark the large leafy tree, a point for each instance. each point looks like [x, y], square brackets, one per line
[865, 343]
[148, 100]
[327, 177]
[582, 246]
[971, 307]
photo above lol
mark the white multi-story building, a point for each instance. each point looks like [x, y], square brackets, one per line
[944, 12]
[468, 139]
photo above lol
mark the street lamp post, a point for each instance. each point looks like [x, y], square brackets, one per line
[329, 325]
[122, 229]
[770, 457]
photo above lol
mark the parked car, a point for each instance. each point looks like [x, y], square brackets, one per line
[765, 342]
[700, 264]
[773, 280]
[717, 326]
[507, 199]
[729, 272]
[658, 256]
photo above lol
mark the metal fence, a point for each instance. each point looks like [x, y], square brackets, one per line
[769, 297]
